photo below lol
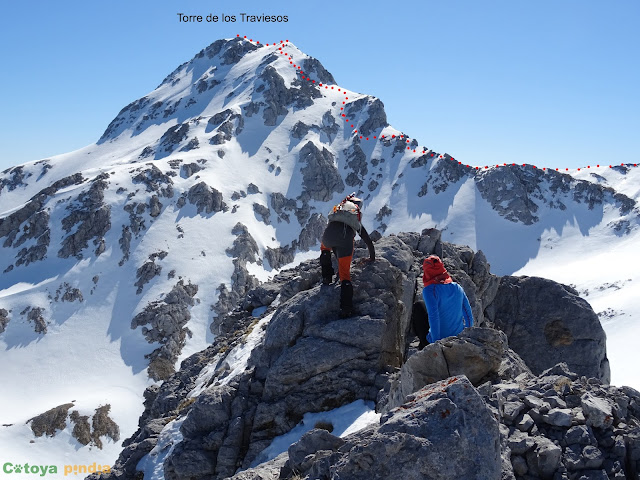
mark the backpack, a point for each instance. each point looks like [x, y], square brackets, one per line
[347, 212]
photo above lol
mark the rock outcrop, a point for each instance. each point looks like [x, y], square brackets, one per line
[480, 354]
[49, 422]
[207, 199]
[54, 420]
[264, 373]
[4, 319]
[90, 219]
[164, 322]
[320, 177]
[444, 421]
[549, 323]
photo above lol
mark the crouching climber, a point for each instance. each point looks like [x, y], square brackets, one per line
[344, 222]
[446, 303]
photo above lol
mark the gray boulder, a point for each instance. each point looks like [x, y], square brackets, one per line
[477, 353]
[548, 323]
[442, 422]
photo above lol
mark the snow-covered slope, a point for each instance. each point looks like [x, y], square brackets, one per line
[118, 255]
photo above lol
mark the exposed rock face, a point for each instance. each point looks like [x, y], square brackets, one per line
[37, 226]
[510, 192]
[307, 360]
[476, 353]
[145, 274]
[155, 181]
[444, 421]
[16, 179]
[281, 205]
[34, 315]
[4, 319]
[244, 250]
[189, 169]
[445, 173]
[244, 246]
[173, 137]
[92, 217]
[164, 322]
[155, 207]
[54, 420]
[357, 162]
[207, 199]
[548, 323]
[320, 177]
[559, 425]
[68, 293]
[517, 192]
[81, 428]
[312, 232]
[376, 118]
[50, 421]
[313, 66]
[262, 212]
[103, 425]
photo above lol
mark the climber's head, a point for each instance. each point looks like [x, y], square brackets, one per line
[434, 271]
[352, 198]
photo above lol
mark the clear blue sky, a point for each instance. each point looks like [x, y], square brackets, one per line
[488, 81]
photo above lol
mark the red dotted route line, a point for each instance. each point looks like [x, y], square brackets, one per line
[285, 43]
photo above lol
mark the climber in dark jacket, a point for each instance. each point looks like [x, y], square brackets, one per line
[339, 236]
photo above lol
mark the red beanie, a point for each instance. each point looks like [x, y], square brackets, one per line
[434, 271]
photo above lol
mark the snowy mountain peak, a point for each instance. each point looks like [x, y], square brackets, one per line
[227, 75]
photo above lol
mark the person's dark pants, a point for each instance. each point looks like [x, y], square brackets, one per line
[420, 322]
[338, 238]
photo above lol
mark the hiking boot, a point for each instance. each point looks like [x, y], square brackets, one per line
[327, 267]
[346, 299]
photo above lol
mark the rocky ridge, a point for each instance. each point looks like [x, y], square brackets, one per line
[301, 359]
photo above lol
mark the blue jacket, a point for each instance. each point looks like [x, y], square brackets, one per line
[448, 308]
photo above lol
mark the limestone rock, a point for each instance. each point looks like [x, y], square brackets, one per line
[263, 212]
[443, 421]
[207, 199]
[50, 421]
[92, 217]
[475, 353]
[164, 322]
[34, 315]
[244, 246]
[4, 319]
[547, 323]
[320, 177]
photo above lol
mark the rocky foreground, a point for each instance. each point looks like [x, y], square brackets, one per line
[522, 395]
